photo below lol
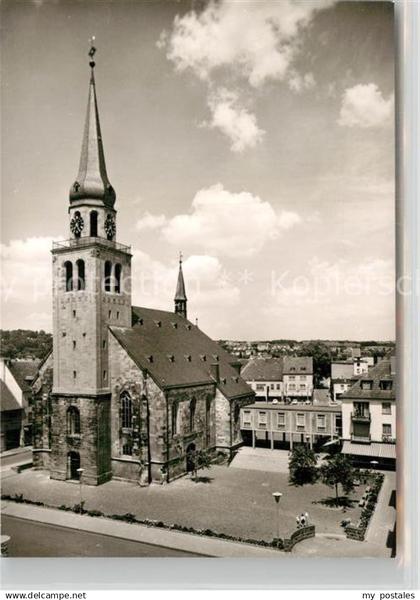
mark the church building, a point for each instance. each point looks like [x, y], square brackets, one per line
[127, 392]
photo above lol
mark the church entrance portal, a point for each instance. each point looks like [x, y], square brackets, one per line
[190, 458]
[73, 464]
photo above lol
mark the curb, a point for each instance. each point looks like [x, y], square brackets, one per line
[201, 545]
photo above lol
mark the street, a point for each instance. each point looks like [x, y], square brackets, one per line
[29, 539]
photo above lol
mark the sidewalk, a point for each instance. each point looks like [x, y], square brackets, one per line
[383, 519]
[196, 544]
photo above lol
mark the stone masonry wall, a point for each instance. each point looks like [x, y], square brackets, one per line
[41, 415]
[92, 444]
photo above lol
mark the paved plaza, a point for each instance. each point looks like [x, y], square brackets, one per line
[234, 501]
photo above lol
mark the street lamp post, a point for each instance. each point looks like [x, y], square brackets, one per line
[277, 496]
[80, 471]
[308, 437]
[373, 465]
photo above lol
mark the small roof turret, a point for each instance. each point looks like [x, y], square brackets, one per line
[180, 286]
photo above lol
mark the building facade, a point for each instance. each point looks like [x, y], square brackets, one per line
[16, 377]
[284, 425]
[298, 377]
[128, 392]
[369, 416]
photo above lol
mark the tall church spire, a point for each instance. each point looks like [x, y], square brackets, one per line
[180, 295]
[92, 181]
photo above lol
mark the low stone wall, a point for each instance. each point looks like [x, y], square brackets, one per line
[355, 532]
[5, 539]
[303, 533]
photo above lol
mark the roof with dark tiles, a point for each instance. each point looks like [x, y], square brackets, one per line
[177, 353]
[293, 365]
[7, 399]
[24, 372]
[263, 369]
[382, 372]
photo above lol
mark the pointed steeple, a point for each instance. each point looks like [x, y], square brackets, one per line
[180, 295]
[92, 180]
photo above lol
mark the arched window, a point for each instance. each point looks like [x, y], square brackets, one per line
[126, 406]
[193, 405]
[107, 275]
[80, 274]
[93, 223]
[73, 420]
[117, 280]
[68, 266]
[174, 423]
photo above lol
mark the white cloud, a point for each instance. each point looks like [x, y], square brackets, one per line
[233, 41]
[149, 221]
[228, 223]
[363, 105]
[257, 39]
[26, 282]
[26, 269]
[299, 83]
[207, 286]
[233, 120]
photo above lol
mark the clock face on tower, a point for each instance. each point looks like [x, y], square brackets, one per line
[110, 227]
[76, 225]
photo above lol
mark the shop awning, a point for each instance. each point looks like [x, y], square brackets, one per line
[374, 450]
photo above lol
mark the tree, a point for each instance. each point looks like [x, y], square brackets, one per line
[201, 460]
[320, 353]
[302, 466]
[338, 470]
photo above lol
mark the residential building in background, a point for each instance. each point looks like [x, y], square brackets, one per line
[298, 376]
[369, 416]
[265, 377]
[345, 372]
[16, 377]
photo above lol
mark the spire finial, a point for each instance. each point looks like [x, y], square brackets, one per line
[180, 257]
[92, 51]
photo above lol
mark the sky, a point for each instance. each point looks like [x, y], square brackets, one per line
[256, 137]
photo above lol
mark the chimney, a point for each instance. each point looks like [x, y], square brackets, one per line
[215, 371]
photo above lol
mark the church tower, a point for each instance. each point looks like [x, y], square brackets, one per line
[91, 290]
[180, 295]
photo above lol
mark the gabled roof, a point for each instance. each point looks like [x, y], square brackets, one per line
[301, 365]
[177, 353]
[24, 372]
[380, 372]
[263, 369]
[7, 399]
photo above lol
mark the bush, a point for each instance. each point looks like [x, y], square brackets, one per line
[95, 513]
[79, 508]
